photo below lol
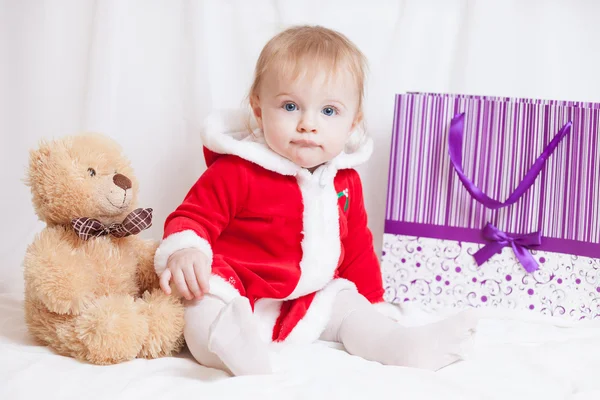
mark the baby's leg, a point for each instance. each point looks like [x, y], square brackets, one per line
[225, 336]
[199, 316]
[366, 333]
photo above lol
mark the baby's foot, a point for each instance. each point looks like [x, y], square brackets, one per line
[234, 338]
[431, 346]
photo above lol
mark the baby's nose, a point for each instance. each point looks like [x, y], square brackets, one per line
[306, 125]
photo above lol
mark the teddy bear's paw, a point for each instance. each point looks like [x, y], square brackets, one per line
[113, 330]
[165, 324]
[58, 275]
[69, 306]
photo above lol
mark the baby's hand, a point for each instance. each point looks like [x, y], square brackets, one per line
[190, 270]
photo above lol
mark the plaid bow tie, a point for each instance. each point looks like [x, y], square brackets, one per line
[135, 222]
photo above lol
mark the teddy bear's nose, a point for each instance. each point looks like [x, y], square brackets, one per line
[122, 181]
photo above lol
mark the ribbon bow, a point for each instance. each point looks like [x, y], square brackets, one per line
[135, 222]
[519, 243]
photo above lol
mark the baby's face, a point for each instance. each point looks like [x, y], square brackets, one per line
[309, 119]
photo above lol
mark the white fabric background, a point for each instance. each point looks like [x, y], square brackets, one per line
[147, 72]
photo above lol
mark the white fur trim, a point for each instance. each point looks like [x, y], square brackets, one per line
[177, 241]
[309, 328]
[351, 160]
[226, 132]
[222, 289]
[389, 310]
[321, 245]
[267, 311]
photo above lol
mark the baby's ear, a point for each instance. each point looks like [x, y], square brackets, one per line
[358, 120]
[256, 110]
[357, 123]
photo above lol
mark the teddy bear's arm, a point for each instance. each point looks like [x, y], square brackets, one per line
[146, 275]
[57, 274]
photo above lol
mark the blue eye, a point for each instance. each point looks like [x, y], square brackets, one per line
[329, 111]
[290, 107]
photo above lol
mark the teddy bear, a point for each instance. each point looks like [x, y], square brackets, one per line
[91, 291]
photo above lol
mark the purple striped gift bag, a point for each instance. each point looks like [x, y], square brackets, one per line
[494, 202]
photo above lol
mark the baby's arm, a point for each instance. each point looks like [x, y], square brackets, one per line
[206, 210]
[361, 265]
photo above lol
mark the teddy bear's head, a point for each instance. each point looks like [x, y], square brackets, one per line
[81, 176]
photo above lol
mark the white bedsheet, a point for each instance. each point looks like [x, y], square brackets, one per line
[511, 359]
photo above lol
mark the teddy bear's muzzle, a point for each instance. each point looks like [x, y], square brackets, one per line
[118, 194]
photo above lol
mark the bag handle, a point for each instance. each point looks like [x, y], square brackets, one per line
[455, 142]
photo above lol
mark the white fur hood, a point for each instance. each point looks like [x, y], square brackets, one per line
[226, 132]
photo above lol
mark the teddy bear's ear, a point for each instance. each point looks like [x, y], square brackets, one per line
[38, 159]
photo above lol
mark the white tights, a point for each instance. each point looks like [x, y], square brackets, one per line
[367, 333]
[225, 336]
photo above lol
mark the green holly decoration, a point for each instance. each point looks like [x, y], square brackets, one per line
[344, 193]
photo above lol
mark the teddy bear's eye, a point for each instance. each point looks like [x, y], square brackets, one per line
[91, 171]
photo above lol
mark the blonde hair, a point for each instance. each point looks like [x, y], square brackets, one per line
[308, 49]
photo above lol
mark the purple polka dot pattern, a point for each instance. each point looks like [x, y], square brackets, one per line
[442, 274]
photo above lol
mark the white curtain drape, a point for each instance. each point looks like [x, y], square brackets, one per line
[147, 72]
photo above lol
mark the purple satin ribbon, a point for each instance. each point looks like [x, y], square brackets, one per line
[519, 243]
[499, 239]
[455, 142]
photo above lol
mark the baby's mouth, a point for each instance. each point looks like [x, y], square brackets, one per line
[305, 143]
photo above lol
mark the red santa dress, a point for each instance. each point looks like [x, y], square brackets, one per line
[286, 239]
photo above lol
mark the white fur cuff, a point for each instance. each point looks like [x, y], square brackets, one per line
[222, 289]
[312, 325]
[177, 241]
